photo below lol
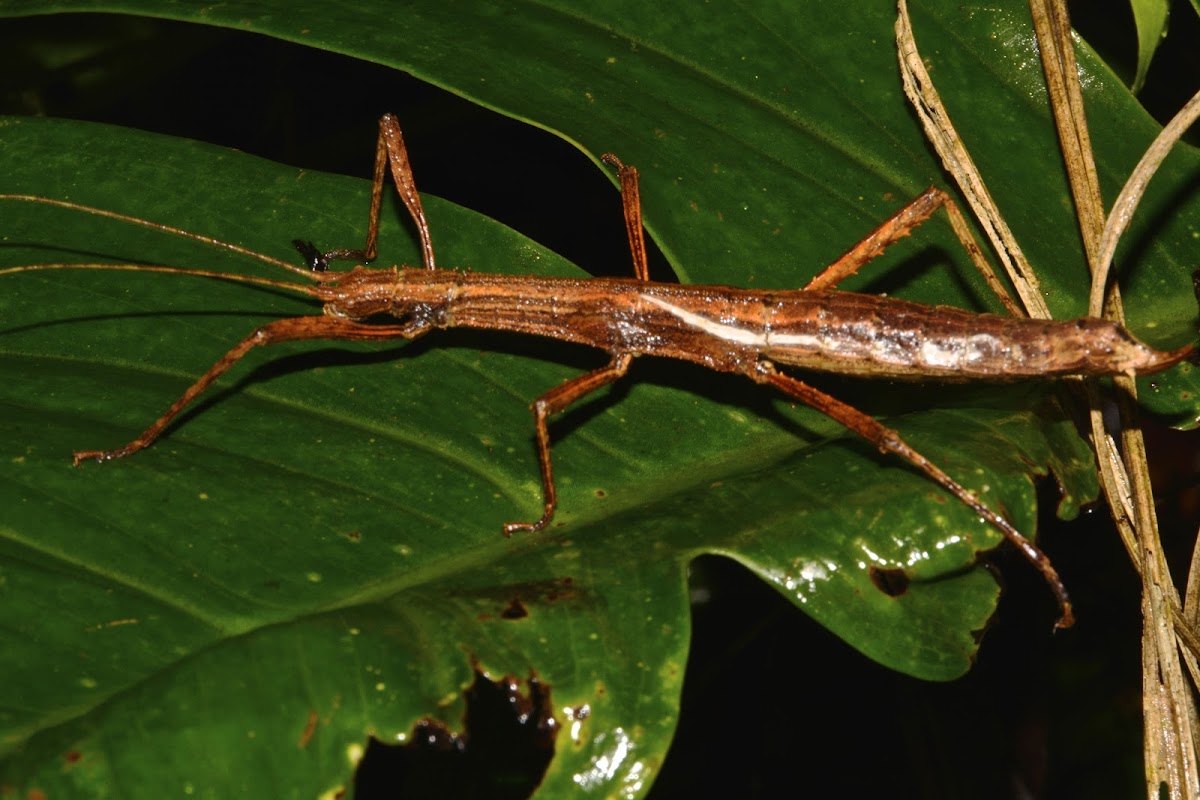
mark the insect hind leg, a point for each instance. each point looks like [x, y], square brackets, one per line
[889, 441]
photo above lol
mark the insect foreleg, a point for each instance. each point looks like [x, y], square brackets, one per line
[901, 224]
[889, 441]
[284, 330]
[552, 402]
[389, 149]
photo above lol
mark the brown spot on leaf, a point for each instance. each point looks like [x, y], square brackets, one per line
[530, 594]
[310, 727]
[514, 610]
[891, 581]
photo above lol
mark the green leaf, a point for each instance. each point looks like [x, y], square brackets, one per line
[321, 535]
[1150, 18]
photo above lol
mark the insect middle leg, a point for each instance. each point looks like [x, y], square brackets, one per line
[552, 402]
[560, 397]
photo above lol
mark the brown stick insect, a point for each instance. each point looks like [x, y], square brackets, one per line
[746, 331]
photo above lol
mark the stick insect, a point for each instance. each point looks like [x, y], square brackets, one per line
[723, 328]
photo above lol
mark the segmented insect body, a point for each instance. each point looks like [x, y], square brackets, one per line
[729, 329]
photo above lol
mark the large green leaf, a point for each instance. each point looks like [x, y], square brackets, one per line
[322, 536]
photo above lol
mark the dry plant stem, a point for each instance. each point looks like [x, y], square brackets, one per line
[923, 95]
[1169, 710]
[1169, 702]
[1168, 705]
[1053, 30]
[723, 328]
[1191, 598]
[1187, 626]
[1131, 194]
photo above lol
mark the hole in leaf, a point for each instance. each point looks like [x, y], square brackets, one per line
[506, 744]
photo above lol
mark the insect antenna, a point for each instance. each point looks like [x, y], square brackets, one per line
[318, 276]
